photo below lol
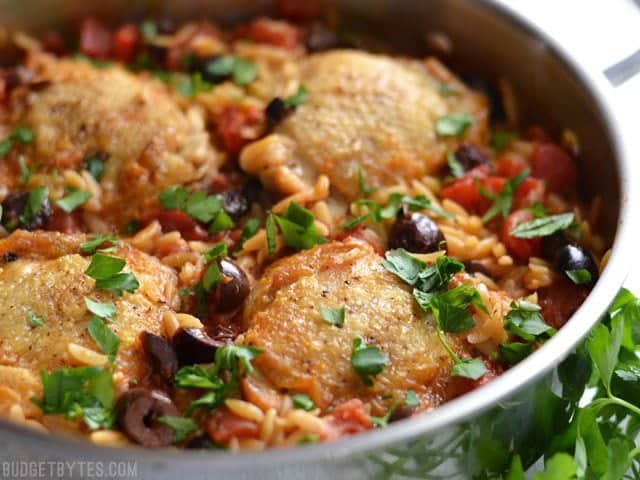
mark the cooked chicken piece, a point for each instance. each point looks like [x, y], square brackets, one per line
[303, 353]
[76, 110]
[366, 111]
[47, 280]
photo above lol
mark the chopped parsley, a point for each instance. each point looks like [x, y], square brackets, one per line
[21, 134]
[362, 182]
[25, 172]
[230, 358]
[220, 250]
[525, 321]
[395, 202]
[106, 271]
[104, 338]
[333, 316]
[148, 29]
[543, 226]
[182, 427]
[297, 226]
[457, 170]
[79, 393]
[448, 90]
[34, 320]
[212, 276]
[241, 71]
[95, 167]
[73, 199]
[454, 124]
[191, 85]
[250, 228]
[36, 200]
[308, 438]
[580, 276]
[205, 208]
[303, 401]
[270, 228]
[106, 310]
[99, 240]
[449, 307]
[501, 140]
[382, 422]
[367, 361]
[298, 98]
[411, 399]
[503, 201]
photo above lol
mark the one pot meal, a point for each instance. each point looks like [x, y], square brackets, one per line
[267, 235]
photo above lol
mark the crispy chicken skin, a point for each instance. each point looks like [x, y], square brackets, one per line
[76, 110]
[303, 353]
[371, 112]
[48, 280]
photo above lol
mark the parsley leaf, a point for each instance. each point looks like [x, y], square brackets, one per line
[504, 200]
[199, 205]
[36, 199]
[249, 230]
[416, 273]
[367, 361]
[21, 134]
[302, 400]
[25, 172]
[501, 140]
[270, 227]
[454, 124]
[106, 310]
[218, 251]
[333, 316]
[104, 266]
[95, 167]
[35, 320]
[73, 200]
[580, 276]
[241, 71]
[195, 376]
[543, 226]
[104, 338]
[525, 321]
[382, 422]
[457, 170]
[297, 99]
[230, 357]
[83, 392]
[212, 276]
[472, 368]
[96, 241]
[118, 284]
[411, 399]
[362, 181]
[297, 226]
[182, 427]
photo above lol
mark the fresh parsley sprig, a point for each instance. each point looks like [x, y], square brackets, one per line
[297, 226]
[503, 201]
[543, 226]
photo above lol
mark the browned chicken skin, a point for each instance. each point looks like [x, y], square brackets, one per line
[48, 280]
[303, 353]
[76, 110]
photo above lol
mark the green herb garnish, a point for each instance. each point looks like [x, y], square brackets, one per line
[21, 134]
[453, 125]
[367, 361]
[303, 401]
[182, 427]
[298, 98]
[454, 165]
[36, 199]
[503, 201]
[35, 320]
[543, 226]
[333, 316]
[106, 310]
[580, 276]
[95, 241]
[104, 338]
[73, 200]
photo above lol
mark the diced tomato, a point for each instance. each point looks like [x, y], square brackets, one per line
[233, 124]
[519, 248]
[465, 192]
[175, 220]
[510, 165]
[348, 418]
[299, 10]
[273, 32]
[125, 43]
[551, 163]
[530, 191]
[95, 39]
[536, 133]
[64, 222]
[223, 425]
[560, 300]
